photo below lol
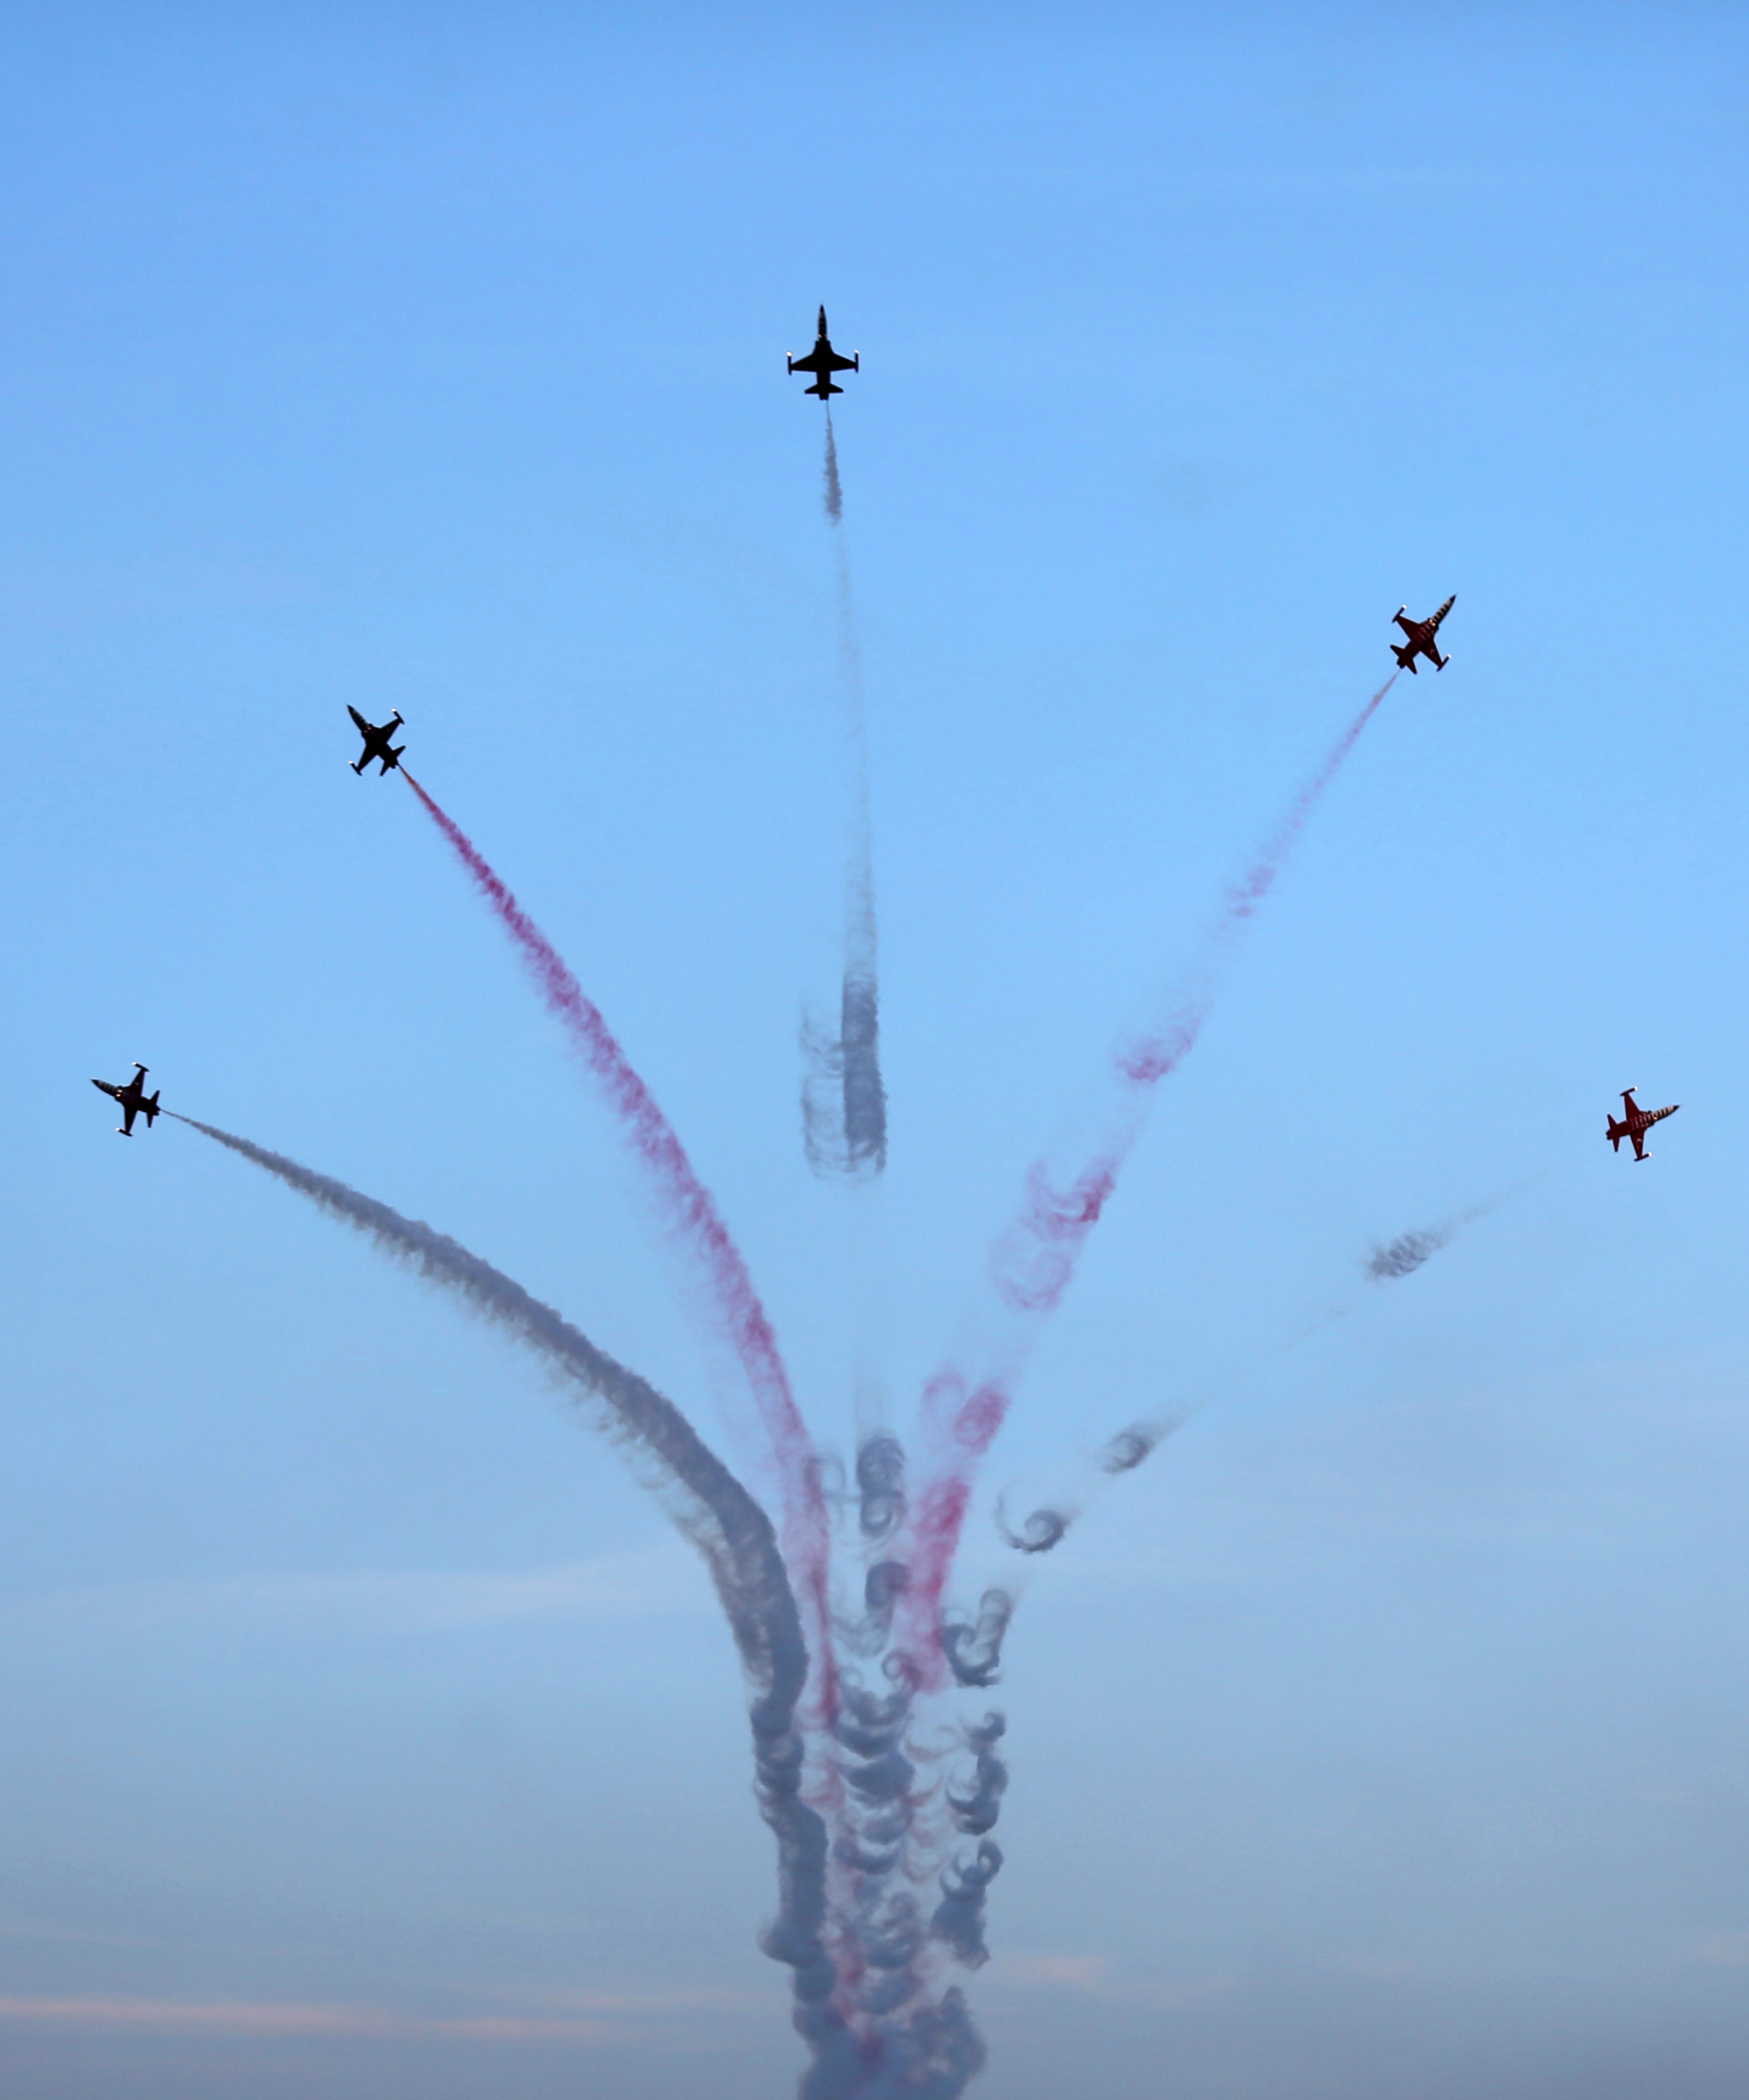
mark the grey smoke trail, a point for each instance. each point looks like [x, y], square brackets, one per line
[1047, 1526]
[880, 1485]
[1408, 1251]
[973, 1647]
[834, 488]
[1127, 1450]
[975, 1808]
[896, 1824]
[844, 1097]
[959, 1919]
[1039, 1532]
[729, 1527]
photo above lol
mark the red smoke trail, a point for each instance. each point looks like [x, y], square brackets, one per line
[695, 1216]
[1034, 1259]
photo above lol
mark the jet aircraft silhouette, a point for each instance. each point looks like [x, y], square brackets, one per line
[1420, 642]
[1635, 1122]
[823, 360]
[377, 744]
[134, 1098]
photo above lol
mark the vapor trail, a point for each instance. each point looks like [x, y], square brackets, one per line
[711, 1506]
[693, 1214]
[1034, 1259]
[844, 1098]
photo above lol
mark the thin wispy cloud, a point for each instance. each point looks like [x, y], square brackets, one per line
[373, 1602]
[176, 2016]
[74, 1936]
[1093, 1976]
[1725, 1950]
[631, 2002]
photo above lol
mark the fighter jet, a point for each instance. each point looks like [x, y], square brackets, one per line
[377, 744]
[134, 1098]
[1420, 642]
[823, 360]
[1635, 1122]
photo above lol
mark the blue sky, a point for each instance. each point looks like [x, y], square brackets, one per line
[366, 1732]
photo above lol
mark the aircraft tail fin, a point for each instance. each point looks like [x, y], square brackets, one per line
[1405, 657]
[150, 1107]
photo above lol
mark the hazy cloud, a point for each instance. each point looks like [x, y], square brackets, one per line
[173, 2016]
[373, 1601]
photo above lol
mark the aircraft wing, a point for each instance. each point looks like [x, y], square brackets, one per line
[813, 362]
[129, 1109]
[1412, 628]
[834, 362]
[1639, 1143]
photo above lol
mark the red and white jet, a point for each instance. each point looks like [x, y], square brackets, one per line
[1420, 641]
[1635, 1122]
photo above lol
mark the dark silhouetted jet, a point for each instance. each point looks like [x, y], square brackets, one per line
[1635, 1122]
[1420, 642]
[377, 744]
[823, 360]
[134, 1098]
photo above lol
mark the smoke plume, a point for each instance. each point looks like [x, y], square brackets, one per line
[692, 1213]
[867, 2000]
